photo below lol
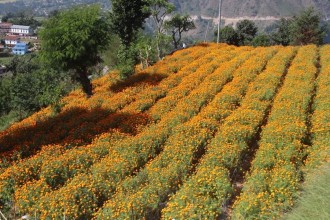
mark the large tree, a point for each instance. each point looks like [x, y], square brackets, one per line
[229, 35]
[127, 17]
[73, 40]
[159, 9]
[177, 25]
[306, 28]
[282, 32]
[246, 31]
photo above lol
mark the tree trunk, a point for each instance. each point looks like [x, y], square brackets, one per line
[158, 47]
[174, 40]
[85, 82]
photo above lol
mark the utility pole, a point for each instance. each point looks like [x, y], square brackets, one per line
[220, 4]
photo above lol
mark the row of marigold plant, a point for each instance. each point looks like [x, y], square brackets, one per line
[275, 175]
[11, 175]
[143, 195]
[39, 130]
[56, 171]
[206, 192]
[15, 174]
[110, 157]
[320, 149]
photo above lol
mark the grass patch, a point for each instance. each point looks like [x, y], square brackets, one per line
[7, 120]
[314, 201]
[5, 60]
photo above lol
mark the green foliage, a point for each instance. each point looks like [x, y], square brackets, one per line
[306, 28]
[261, 40]
[244, 34]
[128, 57]
[159, 9]
[30, 92]
[177, 25]
[23, 64]
[110, 55]
[23, 93]
[127, 17]
[146, 47]
[302, 29]
[73, 40]
[5, 85]
[282, 34]
[246, 31]
[7, 119]
[229, 36]
[29, 87]
[165, 44]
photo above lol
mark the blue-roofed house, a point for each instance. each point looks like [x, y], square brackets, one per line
[20, 49]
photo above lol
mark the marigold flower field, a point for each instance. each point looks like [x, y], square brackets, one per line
[212, 131]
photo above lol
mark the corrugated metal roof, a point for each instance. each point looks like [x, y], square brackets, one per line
[20, 26]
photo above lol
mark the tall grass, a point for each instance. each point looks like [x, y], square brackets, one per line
[314, 202]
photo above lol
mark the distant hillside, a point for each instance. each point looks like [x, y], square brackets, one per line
[43, 7]
[263, 12]
[252, 8]
[205, 12]
[231, 9]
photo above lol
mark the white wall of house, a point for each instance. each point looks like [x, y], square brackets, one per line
[11, 42]
[21, 30]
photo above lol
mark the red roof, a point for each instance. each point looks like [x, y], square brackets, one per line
[12, 37]
[5, 25]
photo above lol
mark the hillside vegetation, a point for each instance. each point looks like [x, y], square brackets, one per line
[210, 131]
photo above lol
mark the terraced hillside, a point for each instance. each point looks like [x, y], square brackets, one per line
[212, 131]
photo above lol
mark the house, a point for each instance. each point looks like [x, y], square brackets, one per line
[5, 27]
[21, 30]
[12, 40]
[20, 49]
[2, 47]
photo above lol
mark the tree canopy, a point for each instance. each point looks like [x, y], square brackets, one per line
[127, 17]
[28, 85]
[159, 9]
[306, 28]
[246, 31]
[229, 35]
[177, 25]
[282, 33]
[73, 40]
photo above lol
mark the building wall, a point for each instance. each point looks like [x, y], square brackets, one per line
[19, 52]
[20, 49]
[21, 31]
[10, 42]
